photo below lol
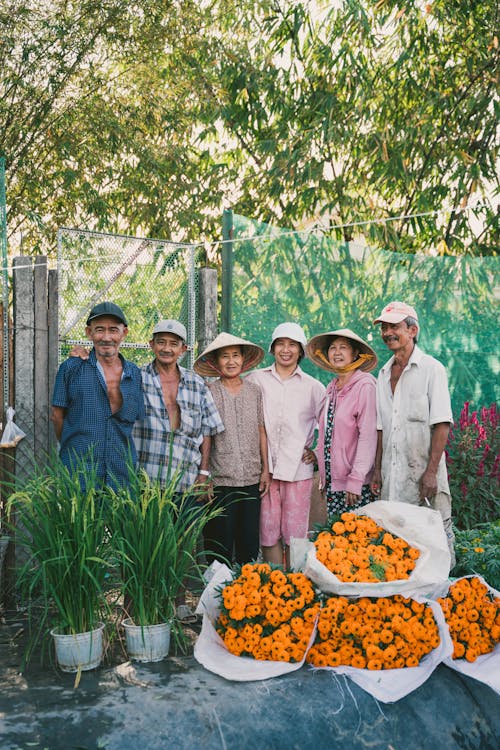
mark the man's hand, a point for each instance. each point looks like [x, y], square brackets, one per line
[204, 488]
[428, 485]
[79, 351]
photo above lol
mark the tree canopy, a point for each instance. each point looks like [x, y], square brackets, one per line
[149, 118]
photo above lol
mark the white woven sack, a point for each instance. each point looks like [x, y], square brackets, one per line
[210, 650]
[421, 527]
[390, 685]
[486, 668]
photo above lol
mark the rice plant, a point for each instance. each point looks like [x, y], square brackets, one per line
[60, 520]
[155, 533]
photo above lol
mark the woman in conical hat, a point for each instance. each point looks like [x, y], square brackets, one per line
[347, 439]
[238, 456]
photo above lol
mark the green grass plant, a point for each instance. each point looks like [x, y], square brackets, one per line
[155, 535]
[478, 551]
[60, 520]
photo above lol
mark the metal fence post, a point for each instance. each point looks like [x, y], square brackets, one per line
[53, 358]
[41, 357]
[207, 307]
[227, 270]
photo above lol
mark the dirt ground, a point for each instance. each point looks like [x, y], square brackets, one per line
[176, 703]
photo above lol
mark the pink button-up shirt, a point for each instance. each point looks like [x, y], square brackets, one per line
[291, 413]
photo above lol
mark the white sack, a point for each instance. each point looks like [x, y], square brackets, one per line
[390, 685]
[486, 668]
[210, 650]
[421, 527]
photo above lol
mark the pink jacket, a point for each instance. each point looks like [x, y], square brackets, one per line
[354, 439]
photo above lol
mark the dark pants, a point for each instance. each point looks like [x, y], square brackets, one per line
[237, 527]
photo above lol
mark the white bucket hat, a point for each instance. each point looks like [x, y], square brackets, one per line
[289, 331]
[205, 364]
[317, 349]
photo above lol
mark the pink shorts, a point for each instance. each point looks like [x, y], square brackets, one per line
[284, 511]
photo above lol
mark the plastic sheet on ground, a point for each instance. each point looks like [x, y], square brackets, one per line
[210, 650]
[421, 527]
[486, 668]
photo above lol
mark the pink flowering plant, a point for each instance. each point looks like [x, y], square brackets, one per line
[473, 459]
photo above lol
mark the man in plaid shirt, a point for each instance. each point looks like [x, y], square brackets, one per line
[180, 414]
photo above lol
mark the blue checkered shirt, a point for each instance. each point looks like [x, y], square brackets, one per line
[162, 452]
[89, 427]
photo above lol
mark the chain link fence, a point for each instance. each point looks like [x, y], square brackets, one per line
[149, 279]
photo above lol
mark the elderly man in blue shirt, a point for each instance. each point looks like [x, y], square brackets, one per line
[97, 400]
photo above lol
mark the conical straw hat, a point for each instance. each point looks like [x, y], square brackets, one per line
[205, 364]
[317, 349]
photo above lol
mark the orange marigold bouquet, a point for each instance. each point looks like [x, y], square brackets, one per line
[356, 549]
[385, 633]
[267, 614]
[472, 613]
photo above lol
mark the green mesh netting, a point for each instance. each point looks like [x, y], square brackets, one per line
[323, 285]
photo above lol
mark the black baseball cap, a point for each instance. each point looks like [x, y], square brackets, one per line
[107, 308]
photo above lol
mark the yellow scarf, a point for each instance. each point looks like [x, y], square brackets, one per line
[348, 368]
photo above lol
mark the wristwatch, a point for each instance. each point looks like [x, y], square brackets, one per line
[204, 473]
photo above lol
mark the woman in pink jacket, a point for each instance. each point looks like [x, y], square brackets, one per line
[347, 438]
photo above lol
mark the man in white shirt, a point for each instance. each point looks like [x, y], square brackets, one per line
[413, 419]
[293, 401]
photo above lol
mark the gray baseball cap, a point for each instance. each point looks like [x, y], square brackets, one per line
[171, 326]
[107, 308]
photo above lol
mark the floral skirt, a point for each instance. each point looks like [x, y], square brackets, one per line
[335, 501]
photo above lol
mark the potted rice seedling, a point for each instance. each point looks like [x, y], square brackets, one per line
[155, 532]
[61, 523]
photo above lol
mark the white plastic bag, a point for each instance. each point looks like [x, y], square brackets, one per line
[210, 650]
[486, 668]
[421, 527]
[12, 434]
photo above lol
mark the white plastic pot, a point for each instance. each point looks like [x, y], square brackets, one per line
[147, 642]
[82, 651]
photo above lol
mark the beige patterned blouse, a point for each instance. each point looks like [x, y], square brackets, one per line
[235, 454]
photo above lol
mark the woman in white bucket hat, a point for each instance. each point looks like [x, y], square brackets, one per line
[347, 439]
[293, 401]
[238, 456]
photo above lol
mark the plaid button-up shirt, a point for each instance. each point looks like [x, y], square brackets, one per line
[162, 452]
[89, 428]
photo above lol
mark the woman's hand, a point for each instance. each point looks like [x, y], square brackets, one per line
[265, 482]
[376, 483]
[309, 456]
[351, 498]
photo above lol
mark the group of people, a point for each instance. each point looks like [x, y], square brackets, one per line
[249, 442]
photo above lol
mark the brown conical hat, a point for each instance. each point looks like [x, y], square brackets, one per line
[317, 349]
[205, 364]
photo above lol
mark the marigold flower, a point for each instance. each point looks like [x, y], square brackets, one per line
[357, 549]
[469, 610]
[267, 601]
